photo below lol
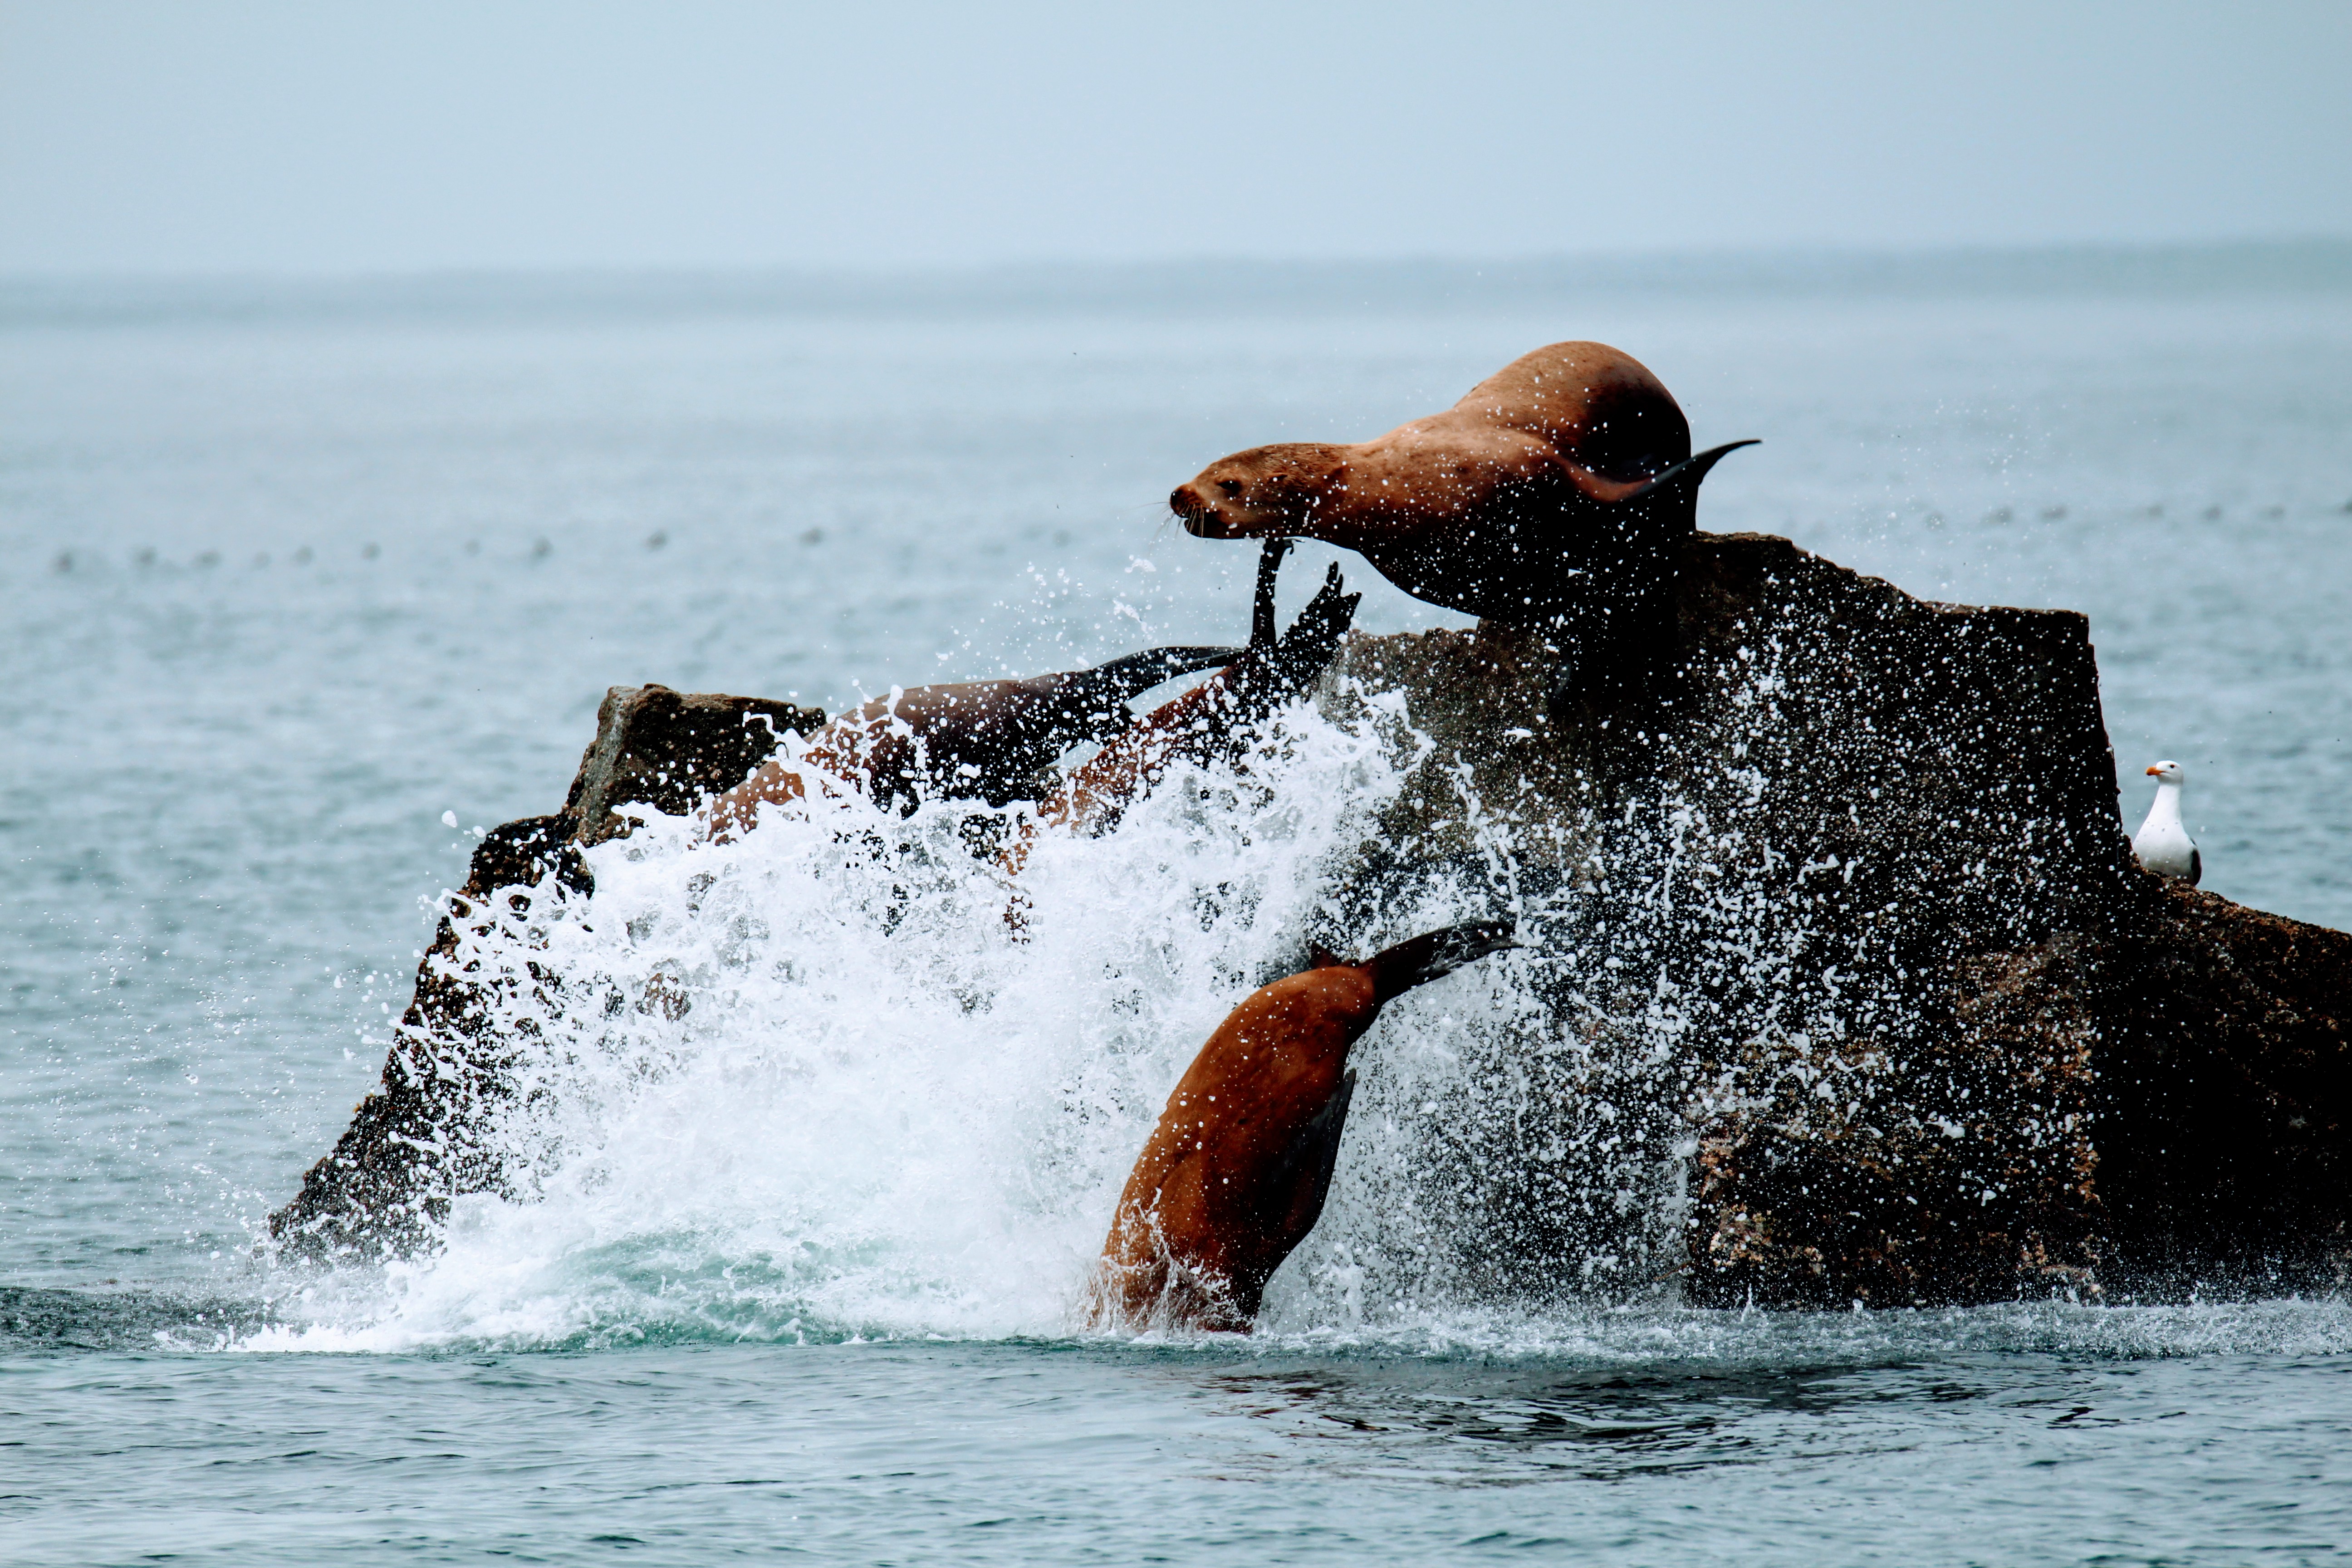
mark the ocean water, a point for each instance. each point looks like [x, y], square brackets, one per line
[292, 570]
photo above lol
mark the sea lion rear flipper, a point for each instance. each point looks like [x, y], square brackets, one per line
[1683, 478]
[1276, 670]
[1212, 723]
[1303, 1180]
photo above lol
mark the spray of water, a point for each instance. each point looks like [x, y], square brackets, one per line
[812, 1082]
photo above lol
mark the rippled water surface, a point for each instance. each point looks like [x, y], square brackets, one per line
[289, 573]
[2037, 1438]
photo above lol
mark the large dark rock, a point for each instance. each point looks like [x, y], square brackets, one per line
[2225, 1076]
[1848, 988]
[671, 750]
[1852, 989]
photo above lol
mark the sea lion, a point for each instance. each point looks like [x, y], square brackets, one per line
[1208, 723]
[979, 740]
[1235, 1175]
[1558, 486]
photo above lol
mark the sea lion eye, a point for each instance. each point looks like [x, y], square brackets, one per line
[1231, 486]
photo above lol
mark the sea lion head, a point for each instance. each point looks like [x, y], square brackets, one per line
[1259, 493]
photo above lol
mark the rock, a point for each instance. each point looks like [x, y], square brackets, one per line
[2225, 1076]
[416, 1141]
[1848, 988]
[671, 750]
[1851, 990]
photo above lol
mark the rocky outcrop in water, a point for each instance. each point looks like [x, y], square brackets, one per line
[421, 1139]
[1854, 991]
[2225, 1084]
[1849, 990]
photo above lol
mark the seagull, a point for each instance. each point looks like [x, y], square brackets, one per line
[2162, 844]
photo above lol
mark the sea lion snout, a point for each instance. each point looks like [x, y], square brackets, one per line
[1196, 511]
[1212, 507]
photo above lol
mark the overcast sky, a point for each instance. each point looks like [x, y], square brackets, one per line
[400, 134]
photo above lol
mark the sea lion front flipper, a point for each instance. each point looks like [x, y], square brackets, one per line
[1269, 563]
[1313, 638]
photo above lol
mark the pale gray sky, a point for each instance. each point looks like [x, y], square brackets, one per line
[331, 135]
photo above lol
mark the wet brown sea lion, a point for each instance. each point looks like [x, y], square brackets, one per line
[1235, 1175]
[1556, 488]
[979, 740]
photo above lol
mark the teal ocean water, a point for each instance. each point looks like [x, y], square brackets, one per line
[292, 570]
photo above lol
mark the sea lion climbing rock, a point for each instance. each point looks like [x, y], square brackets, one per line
[1556, 488]
[1235, 1175]
[1208, 723]
[979, 740]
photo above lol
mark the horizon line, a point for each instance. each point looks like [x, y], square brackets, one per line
[1464, 264]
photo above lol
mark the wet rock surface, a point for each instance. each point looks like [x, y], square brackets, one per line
[670, 750]
[2224, 1085]
[422, 1138]
[1853, 991]
[1847, 986]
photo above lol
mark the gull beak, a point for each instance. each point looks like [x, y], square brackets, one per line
[2152, 772]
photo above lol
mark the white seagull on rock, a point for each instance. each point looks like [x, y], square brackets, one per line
[2162, 844]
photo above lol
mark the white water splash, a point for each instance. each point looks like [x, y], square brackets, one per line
[813, 1083]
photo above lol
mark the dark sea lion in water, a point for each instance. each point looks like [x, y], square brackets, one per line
[1209, 723]
[1555, 489]
[1235, 1175]
[979, 740]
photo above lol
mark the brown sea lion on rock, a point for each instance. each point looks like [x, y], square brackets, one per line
[1235, 1175]
[979, 740]
[1556, 488]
